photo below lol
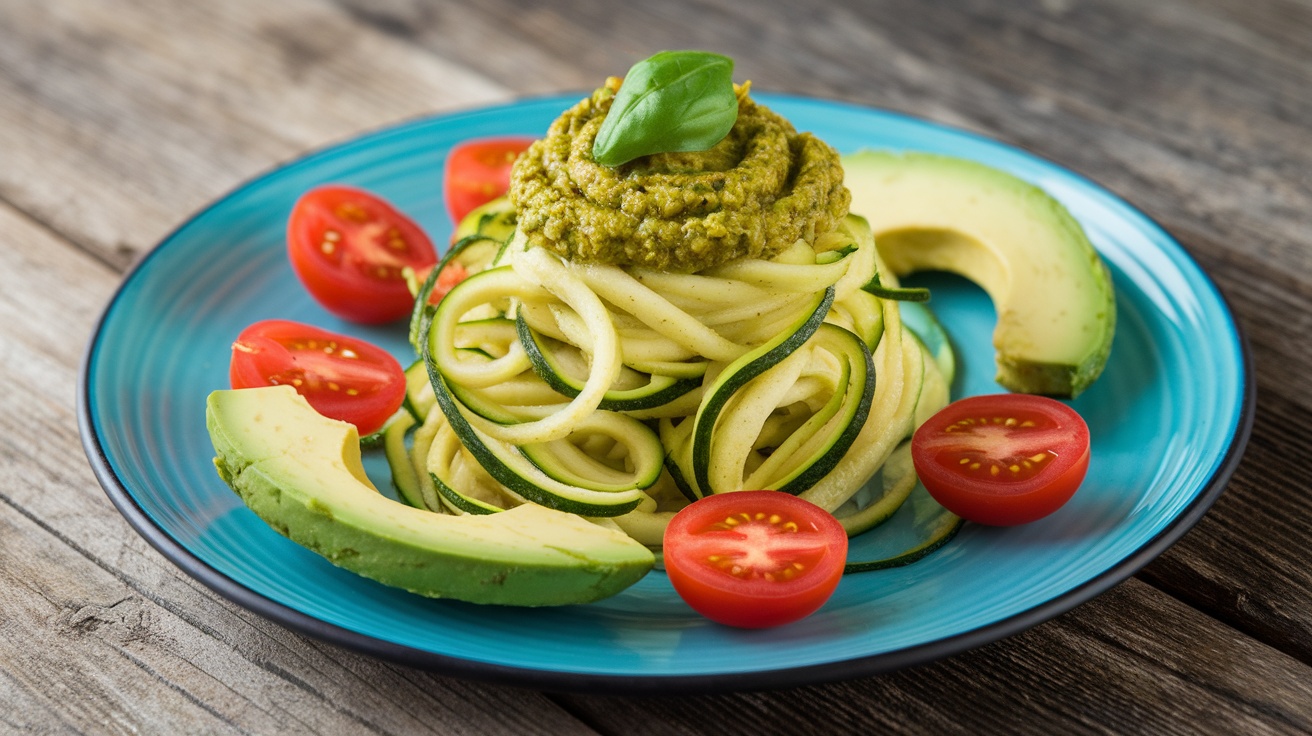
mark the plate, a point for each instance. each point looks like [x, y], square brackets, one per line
[1169, 419]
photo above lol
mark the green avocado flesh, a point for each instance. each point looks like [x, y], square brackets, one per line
[302, 474]
[1053, 295]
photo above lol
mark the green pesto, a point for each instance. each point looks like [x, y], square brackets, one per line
[753, 194]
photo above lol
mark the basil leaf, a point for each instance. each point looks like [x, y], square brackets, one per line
[673, 101]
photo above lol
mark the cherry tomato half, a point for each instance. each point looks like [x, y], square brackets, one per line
[478, 172]
[342, 377]
[452, 274]
[754, 559]
[348, 247]
[1002, 460]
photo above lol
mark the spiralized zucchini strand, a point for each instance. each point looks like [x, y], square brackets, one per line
[696, 292]
[443, 344]
[783, 364]
[627, 293]
[889, 421]
[741, 421]
[542, 269]
[784, 276]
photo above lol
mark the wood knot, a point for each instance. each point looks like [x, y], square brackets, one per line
[123, 620]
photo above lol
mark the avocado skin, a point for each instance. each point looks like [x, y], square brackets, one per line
[938, 241]
[526, 556]
[1057, 380]
[1050, 379]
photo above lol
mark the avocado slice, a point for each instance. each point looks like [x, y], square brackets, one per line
[1053, 295]
[302, 473]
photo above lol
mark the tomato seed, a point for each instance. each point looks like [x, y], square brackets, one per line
[352, 212]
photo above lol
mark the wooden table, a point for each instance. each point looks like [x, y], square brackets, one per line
[118, 120]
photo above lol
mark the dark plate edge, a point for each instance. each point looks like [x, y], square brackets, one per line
[563, 681]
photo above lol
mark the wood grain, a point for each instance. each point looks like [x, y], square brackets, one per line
[99, 633]
[1108, 667]
[118, 120]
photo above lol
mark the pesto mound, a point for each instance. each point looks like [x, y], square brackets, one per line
[753, 194]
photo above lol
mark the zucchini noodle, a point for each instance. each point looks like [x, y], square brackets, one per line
[623, 393]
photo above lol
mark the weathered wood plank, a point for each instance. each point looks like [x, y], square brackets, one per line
[98, 632]
[117, 121]
[1126, 662]
[101, 654]
[74, 640]
[1246, 561]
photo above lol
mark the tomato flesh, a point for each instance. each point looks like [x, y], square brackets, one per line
[342, 377]
[452, 274]
[1004, 459]
[349, 249]
[754, 559]
[478, 172]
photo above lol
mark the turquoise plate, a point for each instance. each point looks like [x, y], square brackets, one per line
[1169, 419]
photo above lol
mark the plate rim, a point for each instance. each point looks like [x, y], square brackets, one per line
[656, 684]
